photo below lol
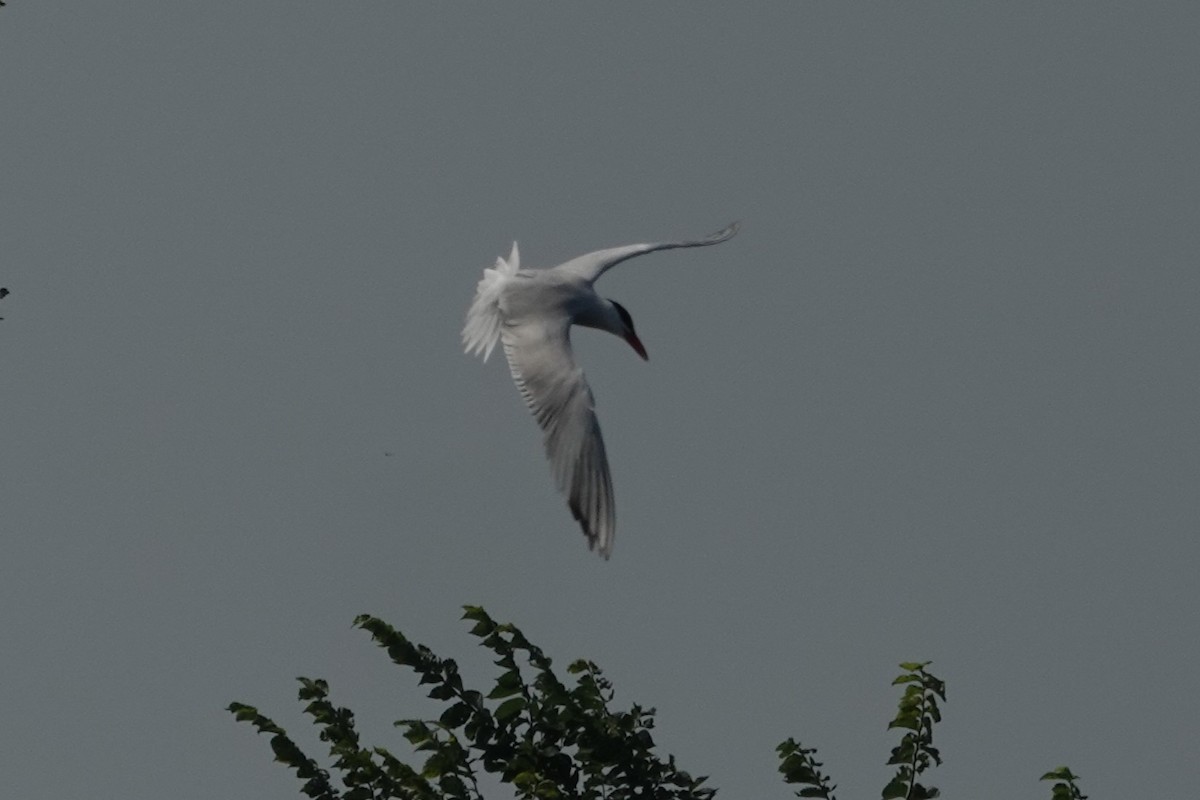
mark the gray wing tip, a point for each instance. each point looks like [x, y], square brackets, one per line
[726, 233]
[596, 539]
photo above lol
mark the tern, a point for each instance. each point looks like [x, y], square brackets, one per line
[531, 312]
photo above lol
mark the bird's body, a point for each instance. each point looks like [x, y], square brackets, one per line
[531, 312]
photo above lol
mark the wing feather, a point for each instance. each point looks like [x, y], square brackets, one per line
[482, 329]
[591, 266]
[553, 385]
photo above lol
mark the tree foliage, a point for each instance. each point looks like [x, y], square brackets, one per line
[550, 738]
[1065, 788]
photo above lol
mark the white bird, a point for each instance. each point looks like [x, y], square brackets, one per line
[531, 312]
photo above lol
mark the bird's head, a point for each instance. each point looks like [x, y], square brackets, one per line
[627, 332]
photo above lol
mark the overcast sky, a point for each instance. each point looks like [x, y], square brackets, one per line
[937, 400]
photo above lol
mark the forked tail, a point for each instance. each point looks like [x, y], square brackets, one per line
[482, 329]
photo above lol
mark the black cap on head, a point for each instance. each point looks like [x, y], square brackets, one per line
[630, 335]
[623, 314]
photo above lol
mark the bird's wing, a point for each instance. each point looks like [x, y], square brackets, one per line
[554, 388]
[592, 265]
[482, 329]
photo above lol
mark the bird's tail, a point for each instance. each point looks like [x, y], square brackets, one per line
[482, 329]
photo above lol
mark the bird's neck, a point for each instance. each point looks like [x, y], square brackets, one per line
[596, 312]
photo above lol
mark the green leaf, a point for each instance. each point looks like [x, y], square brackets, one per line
[439, 763]
[508, 684]
[797, 770]
[418, 732]
[452, 785]
[455, 715]
[242, 712]
[897, 788]
[443, 692]
[525, 779]
[909, 722]
[509, 709]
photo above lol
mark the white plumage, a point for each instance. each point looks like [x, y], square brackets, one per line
[531, 312]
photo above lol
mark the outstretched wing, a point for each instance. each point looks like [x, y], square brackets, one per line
[592, 265]
[482, 329]
[554, 388]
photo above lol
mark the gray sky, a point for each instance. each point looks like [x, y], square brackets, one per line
[936, 401]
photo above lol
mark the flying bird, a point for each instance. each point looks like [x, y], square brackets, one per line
[531, 312]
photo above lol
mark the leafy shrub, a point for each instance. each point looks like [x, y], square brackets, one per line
[551, 739]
